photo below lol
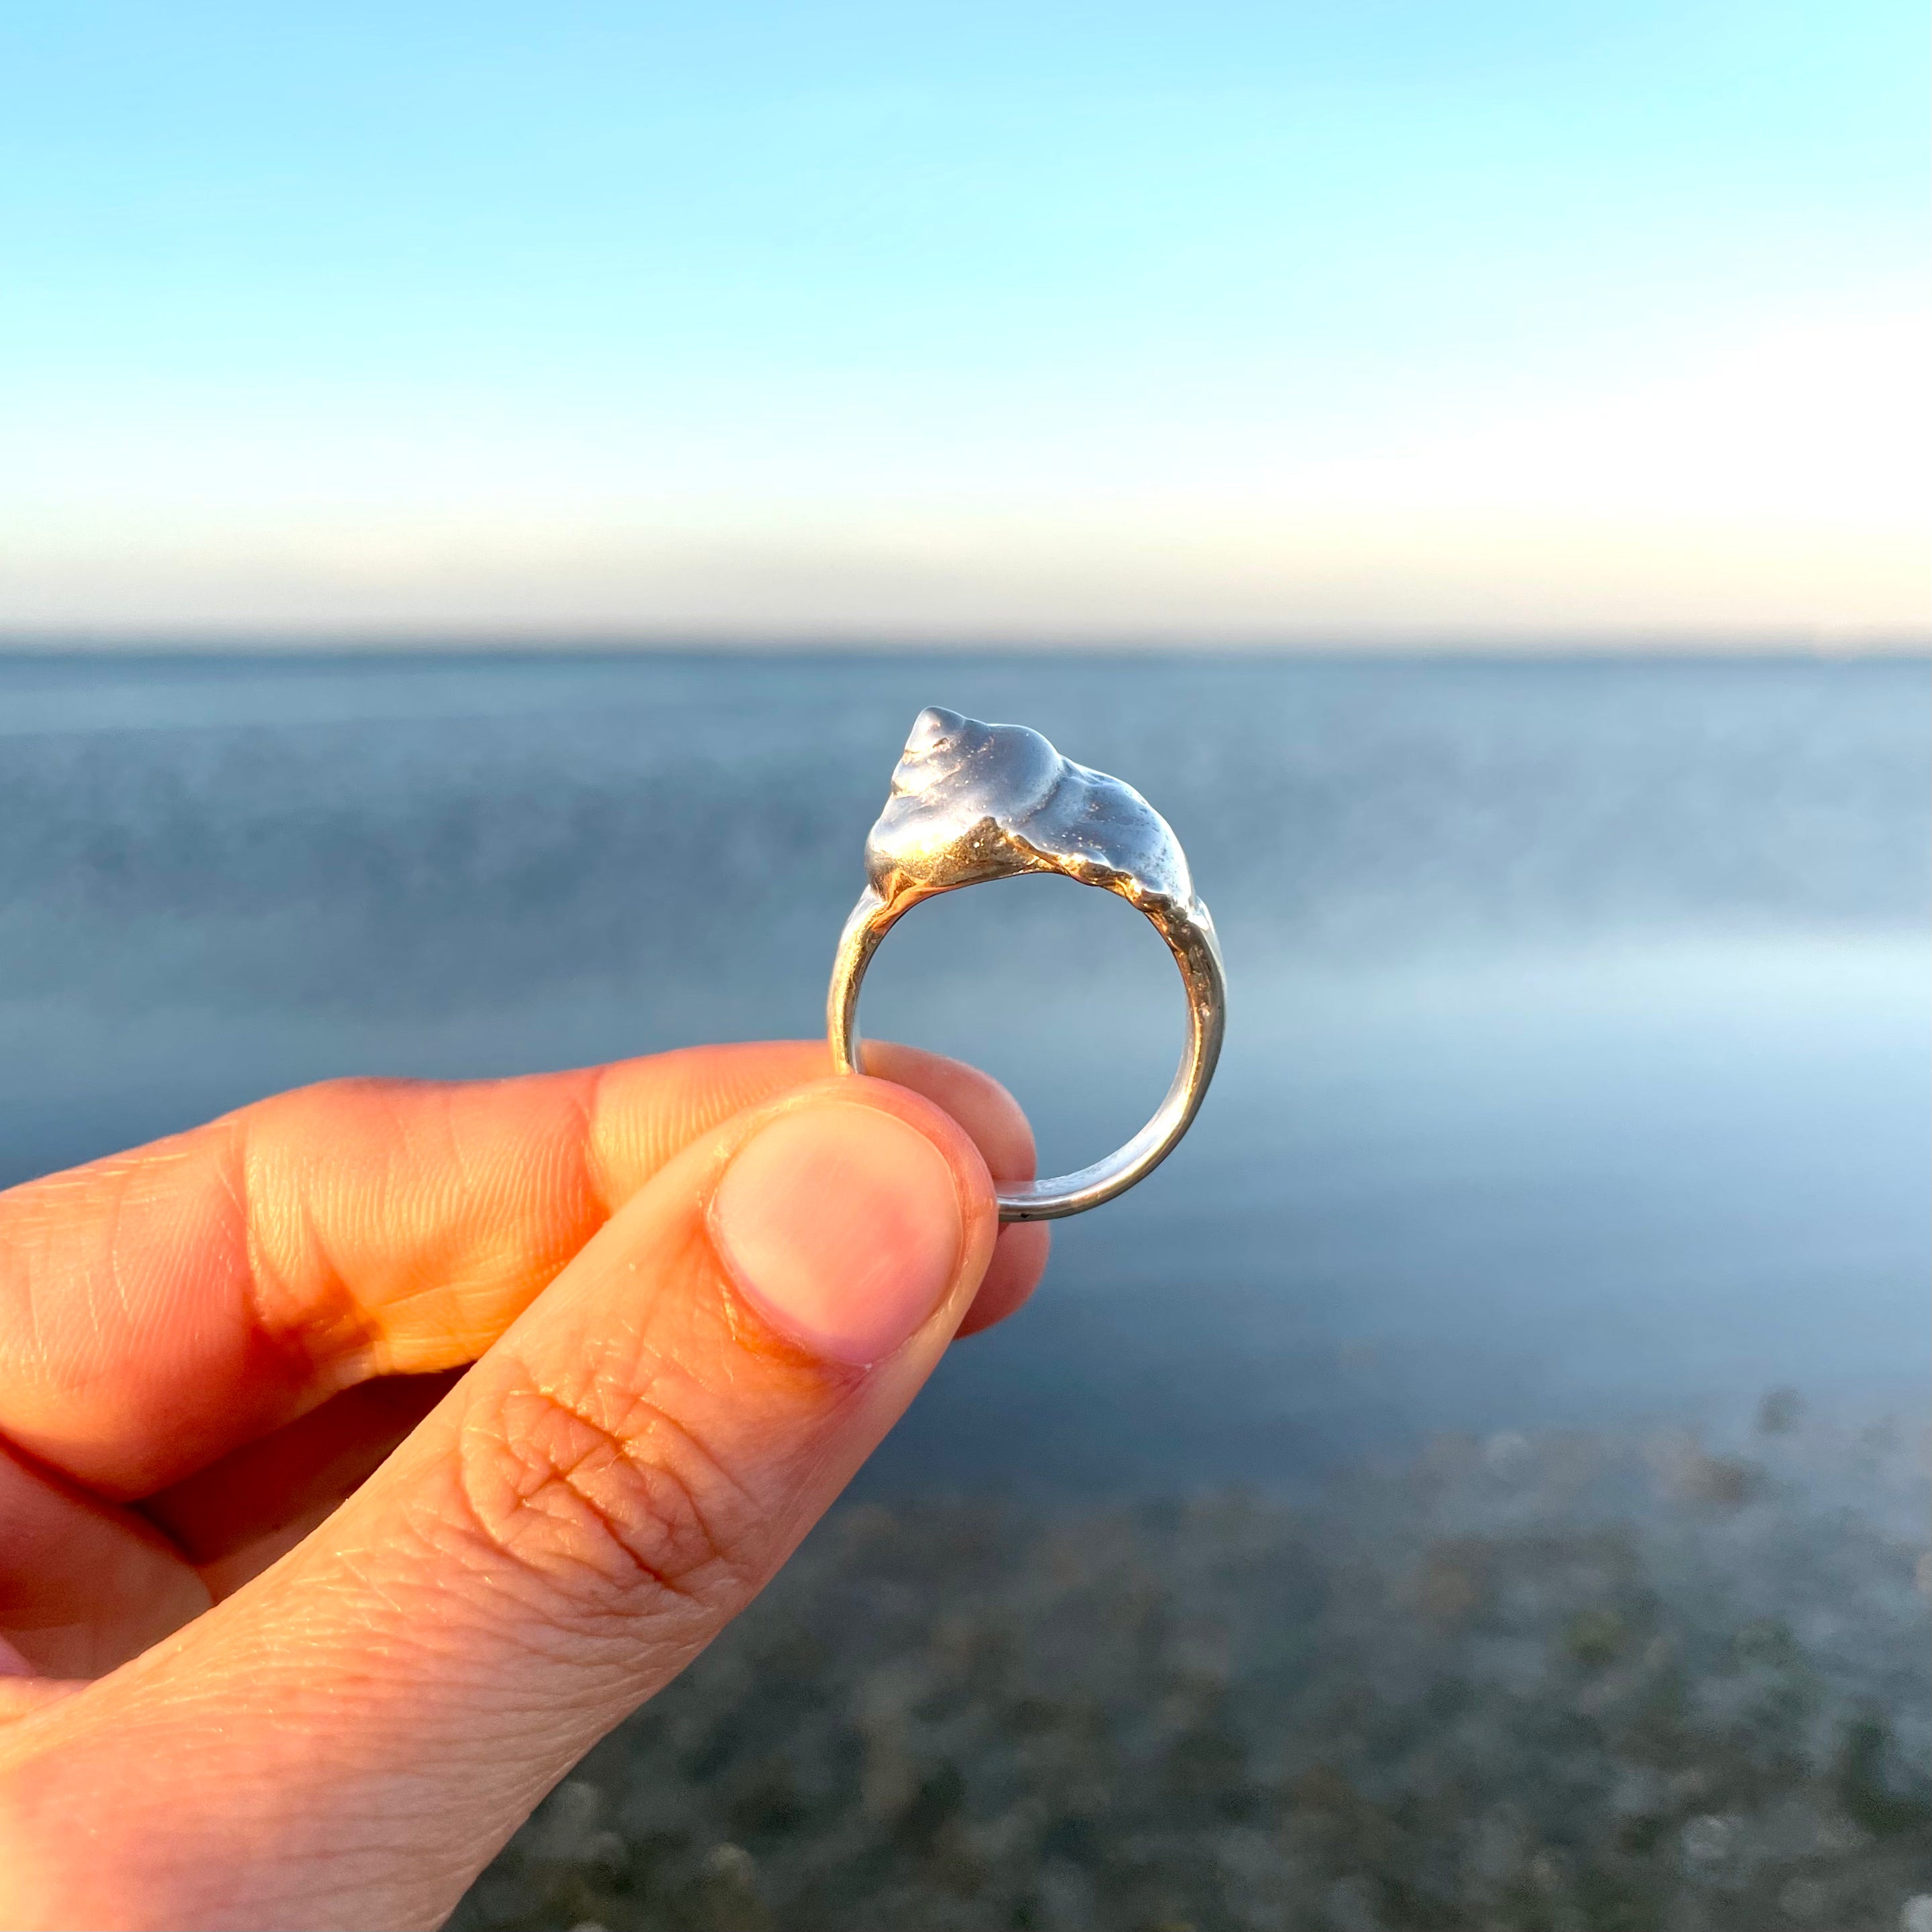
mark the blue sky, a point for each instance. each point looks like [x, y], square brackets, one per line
[1386, 321]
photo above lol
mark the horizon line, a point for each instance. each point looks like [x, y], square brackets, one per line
[213, 641]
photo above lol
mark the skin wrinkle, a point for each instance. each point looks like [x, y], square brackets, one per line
[353, 1342]
[233, 1169]
[392, 1669]
[661, 1425]
[243, 1170]
[355, 1338]
[344, 1348]
[648, 1423]
[535, 1449]
[249, 1154]
[568, 1163]
[494, 1196]
[231, 1178]
[476, 1194]
[343, 1345]
[40, 1288]
[36, 1339]
[116, 1277]
[359, 1563]
[412, 1153]
[592, 1104]
[581, 1101]
[116, 1217]
[52, 1360]
[639, 1424]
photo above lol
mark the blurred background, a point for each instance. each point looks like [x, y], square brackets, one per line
[485, 493]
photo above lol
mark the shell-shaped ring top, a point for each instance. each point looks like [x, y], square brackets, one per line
[972, 802]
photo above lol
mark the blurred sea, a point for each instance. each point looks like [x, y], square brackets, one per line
[1577, 1072]
[1463, 1488]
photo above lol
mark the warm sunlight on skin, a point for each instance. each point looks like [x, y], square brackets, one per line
[357, 1611]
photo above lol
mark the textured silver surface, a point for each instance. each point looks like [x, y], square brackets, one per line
[972, 802]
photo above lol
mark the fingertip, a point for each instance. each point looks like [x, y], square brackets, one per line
[1004, 1136]
[1019, 1260]
[842, 1224]
[851, 1213]
[979, 1103]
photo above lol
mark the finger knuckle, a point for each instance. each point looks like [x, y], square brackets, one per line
[604, 1505]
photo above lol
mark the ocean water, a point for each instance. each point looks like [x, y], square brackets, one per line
[1577, 1070]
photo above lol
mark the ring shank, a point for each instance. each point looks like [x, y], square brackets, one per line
[1190, 938]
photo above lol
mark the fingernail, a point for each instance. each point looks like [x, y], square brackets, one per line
[841, 1225]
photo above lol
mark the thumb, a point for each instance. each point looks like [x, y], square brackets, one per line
[347, 1741]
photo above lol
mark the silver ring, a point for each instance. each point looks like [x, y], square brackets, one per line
[971, 802]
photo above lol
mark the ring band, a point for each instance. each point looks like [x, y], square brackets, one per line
[972, 802]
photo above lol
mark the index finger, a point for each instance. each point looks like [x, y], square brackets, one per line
[161, 1308]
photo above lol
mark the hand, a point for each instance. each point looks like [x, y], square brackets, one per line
[695, 1292]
